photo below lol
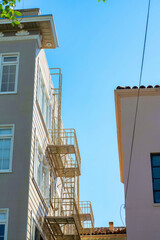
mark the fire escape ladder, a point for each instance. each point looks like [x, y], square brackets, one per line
[63, 155]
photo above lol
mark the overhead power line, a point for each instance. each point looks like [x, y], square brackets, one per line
[137, 103]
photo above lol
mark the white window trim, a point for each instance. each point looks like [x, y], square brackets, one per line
[44, 79]
[5, 210]
[43, 98]
[44, 162]
[17, 71]
[12, 144]
[36, 223]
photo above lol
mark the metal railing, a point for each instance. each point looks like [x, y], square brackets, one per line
[64, 213]
[62, 207]
[67, 137]
[86, 214]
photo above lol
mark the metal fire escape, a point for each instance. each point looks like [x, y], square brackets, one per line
[67, 216]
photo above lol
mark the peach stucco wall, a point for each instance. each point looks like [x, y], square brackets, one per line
[142, 216]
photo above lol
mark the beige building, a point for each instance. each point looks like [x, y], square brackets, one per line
[40, 162]
[143, 179]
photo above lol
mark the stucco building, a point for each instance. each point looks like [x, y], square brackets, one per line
[40, 162]
[143, 180]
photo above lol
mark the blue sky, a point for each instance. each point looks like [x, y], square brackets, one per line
[100, 47]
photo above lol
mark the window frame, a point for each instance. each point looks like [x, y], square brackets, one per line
[35, 224]
[44, 96]
[5, 210]
[41, 162]
[151, 155]
[2, 55]
[11, 149]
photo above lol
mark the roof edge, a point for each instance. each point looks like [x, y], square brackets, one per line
[143, 91]
[36, 18]
[119, 133]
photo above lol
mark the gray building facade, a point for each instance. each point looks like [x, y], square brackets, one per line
[39, 160]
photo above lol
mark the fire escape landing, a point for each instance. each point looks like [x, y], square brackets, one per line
[64, 153]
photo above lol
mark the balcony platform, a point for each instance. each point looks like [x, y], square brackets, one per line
[58, 224]
[61, 149]
[65, 168]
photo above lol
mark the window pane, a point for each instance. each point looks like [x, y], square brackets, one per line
[1, 143]
[8, 76]
[156, 172]
[4, 87]
[5, 69]
[11, 78]
[5, 164]
[1, 154]
[5, 131]
[7, 143]
[2, 227]
[10, 59]
[2, 217]
[13, 69]
[156, 160]
[6, 153]
[4, 78]
[156, 184]
[11, 87]
[157, 197]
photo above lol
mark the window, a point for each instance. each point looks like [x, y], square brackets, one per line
[6, 148]
[155, 161]
[9, 73]
[47, 113]
[44, 100]
[3, 224]
[50, 117]
[41, 172]
[36, 234]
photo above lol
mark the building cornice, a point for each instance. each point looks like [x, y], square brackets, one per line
[21, 38]
[37, 18]
[134, 92]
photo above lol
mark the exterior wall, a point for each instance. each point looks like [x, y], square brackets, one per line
[37, 209]
[142, 216]
[17, 109]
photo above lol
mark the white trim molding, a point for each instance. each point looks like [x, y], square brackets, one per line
[11, 136]
[6, 211]
[22, 38]
[15, 63]
[22, 33]
[34, 224]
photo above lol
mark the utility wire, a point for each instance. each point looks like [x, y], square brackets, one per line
[122, 205]
[136, 112]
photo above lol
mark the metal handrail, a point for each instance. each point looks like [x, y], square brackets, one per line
[66, 136]
[62, 207]
[85, 207]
